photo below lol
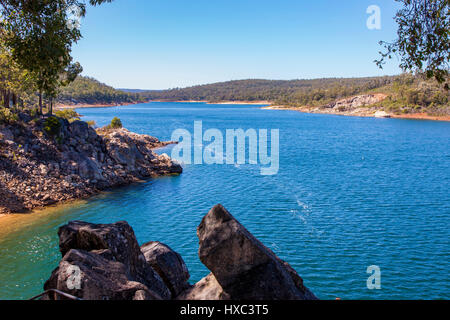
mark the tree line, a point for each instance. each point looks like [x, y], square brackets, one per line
[36, 66]
[86, 90]
[35, 49]
[404, 91]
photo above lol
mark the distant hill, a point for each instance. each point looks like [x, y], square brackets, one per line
[320, 91]
[406, 93]
[132, 90]
[85, 90]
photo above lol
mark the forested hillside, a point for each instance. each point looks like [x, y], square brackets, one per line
[273, 90]
[85, 90]
[406, 93]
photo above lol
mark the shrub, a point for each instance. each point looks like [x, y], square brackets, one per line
[52, 126]
[34, 113]
[115, 123]
[68, 114]
[7, 116]
[91, 123]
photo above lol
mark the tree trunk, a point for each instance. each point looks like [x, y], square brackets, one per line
[40, 102]
[7, 98]
[14, 100]
[19, 101]
[51, 106]
[3, 97]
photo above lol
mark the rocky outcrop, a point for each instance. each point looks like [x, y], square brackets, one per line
[360, 106]
[37, 170]
[356, 102]
[382, 114]
[243, 266]
[105, 262]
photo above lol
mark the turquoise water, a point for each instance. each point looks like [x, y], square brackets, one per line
[350, 193]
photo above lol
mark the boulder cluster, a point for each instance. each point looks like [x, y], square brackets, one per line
[37, 170]
[105, 262]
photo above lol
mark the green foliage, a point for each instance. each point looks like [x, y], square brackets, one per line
[91, 123]
[423, 38]
[34, 113]
[407, 93]
[86, 90]
[68, 114]
[293, 92]
[40, 40]
[7, 116]
[116, 123]
[52, 126]
[38, 35]
[416, 94]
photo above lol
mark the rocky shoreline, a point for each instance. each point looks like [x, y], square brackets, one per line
[105, 262]
[359, 106]
[37, 170]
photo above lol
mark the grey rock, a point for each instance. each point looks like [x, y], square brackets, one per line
[89, 276]
[80, 129]
[168, 264]
[120, 240]
[242, 265]
[89, 169]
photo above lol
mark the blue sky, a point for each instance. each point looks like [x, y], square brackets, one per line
[158, 44]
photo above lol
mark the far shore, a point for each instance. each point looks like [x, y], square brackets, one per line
[98, 105]
[220, 102]
[367, 114]
[111, 105]
[358, 113]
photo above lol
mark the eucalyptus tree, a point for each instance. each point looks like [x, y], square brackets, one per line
[16, 84]
[423, 42]
[39, 36]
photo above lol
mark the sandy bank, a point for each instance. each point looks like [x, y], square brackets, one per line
[422, 116]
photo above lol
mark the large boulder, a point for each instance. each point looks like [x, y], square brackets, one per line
[79, 129]
[119, 242]
[90, 276]
[242, 265]
[89, 169]
[382, 114]
[6, 134]
[168, 264]
[109, 264]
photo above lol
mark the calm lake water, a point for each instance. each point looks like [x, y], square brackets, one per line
[350, 193]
